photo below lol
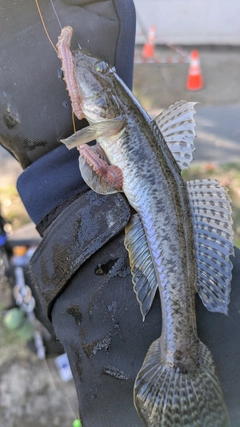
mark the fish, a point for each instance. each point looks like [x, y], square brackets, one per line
[179, 238]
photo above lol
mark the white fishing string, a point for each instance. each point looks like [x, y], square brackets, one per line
[55, 12]
[59, 22]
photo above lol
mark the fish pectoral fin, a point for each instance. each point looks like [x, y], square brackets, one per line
[179, 396]
[105, 128]
[97, 172]
[214, 242]
[142, 268]
[177, 125]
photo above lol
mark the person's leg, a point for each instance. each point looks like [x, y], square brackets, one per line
[97, 318]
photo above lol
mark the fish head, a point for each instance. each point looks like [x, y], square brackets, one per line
[96, 83]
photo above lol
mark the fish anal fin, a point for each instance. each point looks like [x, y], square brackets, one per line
[100, 176]
[177, 125]
[142, 269]
[214, 242]
[166, 396]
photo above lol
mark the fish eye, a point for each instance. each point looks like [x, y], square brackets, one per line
[101, 67]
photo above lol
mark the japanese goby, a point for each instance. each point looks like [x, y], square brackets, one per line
[179, 240]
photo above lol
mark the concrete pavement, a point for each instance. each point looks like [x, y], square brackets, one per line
[161, 84]
[157, 85]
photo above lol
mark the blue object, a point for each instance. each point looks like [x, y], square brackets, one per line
[49, 181]
[63, 367]
[3, 239]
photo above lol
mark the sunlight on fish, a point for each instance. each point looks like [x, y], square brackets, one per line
[179, 240]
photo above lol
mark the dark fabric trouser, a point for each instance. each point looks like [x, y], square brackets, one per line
[97, 319]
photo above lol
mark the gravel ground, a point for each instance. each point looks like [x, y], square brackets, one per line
[29, 394]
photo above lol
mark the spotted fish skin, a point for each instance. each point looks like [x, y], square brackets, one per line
[169, 248]
[158, 194]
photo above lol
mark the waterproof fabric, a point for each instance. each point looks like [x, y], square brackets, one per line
[80, 230]
[81, 274]
[49, 181]
[97, 318]
[34, 104]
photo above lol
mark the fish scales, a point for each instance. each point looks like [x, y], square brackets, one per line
[157, 192]
[166, 238]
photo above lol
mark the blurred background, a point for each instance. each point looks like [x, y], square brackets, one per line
[167, 33]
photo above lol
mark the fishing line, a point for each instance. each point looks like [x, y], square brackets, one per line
[44, 26]
[51, 42]
[54, 10]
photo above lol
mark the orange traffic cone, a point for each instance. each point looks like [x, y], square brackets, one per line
[194, 79]
[148, 51]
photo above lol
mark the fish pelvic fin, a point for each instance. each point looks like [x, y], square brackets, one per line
[166, 397]
[103, 129]
[97, 172]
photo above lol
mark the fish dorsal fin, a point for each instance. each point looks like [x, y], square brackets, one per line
[177, 125]
[142, 269]
[212, 222]
[92, 178]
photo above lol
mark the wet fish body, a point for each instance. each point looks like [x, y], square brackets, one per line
[179, 241]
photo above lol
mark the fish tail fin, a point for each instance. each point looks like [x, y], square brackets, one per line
[166, 397]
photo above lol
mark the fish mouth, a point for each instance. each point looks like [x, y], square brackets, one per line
[82, 75]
